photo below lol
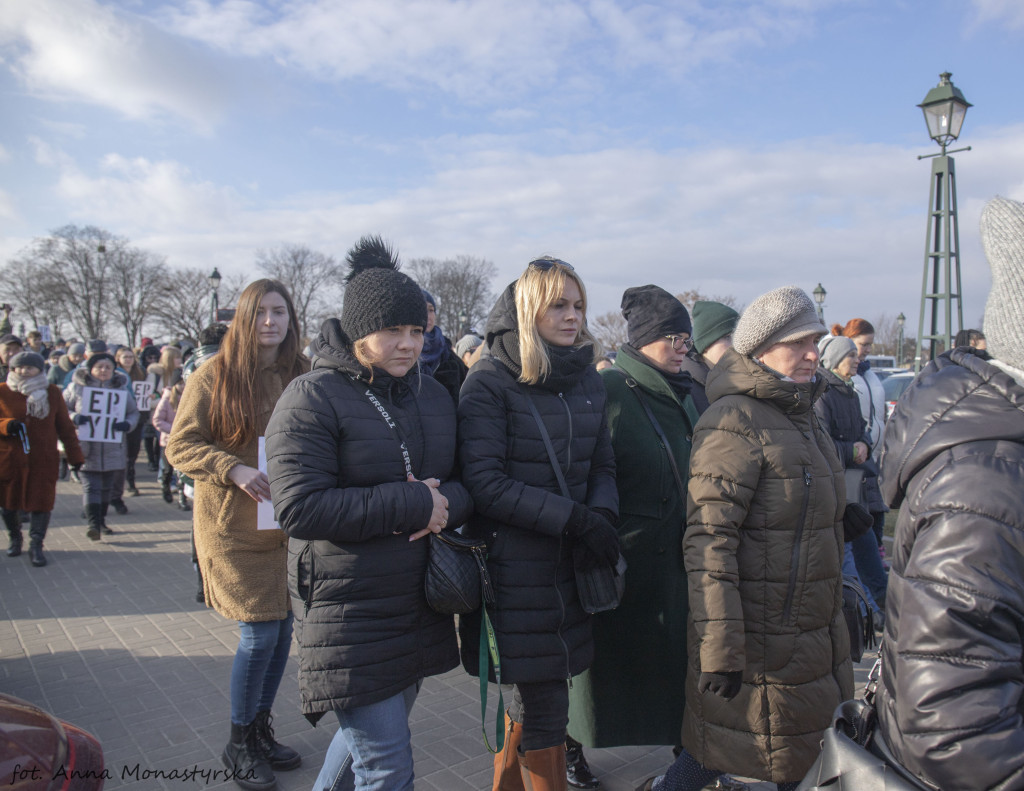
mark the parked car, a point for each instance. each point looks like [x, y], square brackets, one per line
[894, 386]
[39, 752]
[881, 361]
[885, 373]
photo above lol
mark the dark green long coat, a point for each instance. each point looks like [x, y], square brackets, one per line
[633, 692]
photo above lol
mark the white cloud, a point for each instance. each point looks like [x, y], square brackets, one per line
[487, 49]
[724, 220]
[1007, 12]
[84, 51]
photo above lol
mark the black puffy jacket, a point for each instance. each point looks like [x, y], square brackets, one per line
[951, 699]
[838, 410]
[338, 483]
[542, 631]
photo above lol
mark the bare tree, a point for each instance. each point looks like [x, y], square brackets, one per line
[693, 296]
[22, 279]
[610, 329]
[72, 266]
[313, 279]
[136, 281]
[183, 305]
[462, 288]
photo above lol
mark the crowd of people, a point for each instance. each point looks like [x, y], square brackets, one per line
[740, 464]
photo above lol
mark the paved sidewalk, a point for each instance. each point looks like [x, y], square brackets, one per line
[109, 636]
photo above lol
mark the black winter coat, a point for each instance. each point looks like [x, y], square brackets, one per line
[338, 483]
[542, 631]
[951, 699]
[838, 410]
[698, 371]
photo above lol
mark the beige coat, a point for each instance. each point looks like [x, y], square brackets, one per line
[244, 570]
[763, 550]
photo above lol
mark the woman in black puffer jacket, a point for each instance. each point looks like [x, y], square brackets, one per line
[361, 460]
[540, 351]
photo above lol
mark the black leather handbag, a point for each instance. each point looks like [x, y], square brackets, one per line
[457, 581]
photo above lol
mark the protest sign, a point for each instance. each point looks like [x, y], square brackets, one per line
[143, 390]
[103, 407]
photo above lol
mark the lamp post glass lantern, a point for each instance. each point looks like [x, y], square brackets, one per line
[214, 281]
[819, 298]
[944, 111]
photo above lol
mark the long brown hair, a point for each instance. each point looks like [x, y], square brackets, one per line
[237, 392]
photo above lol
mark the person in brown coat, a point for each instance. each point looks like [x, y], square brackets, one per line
[33, 416]
[223, 412]
[769, 654]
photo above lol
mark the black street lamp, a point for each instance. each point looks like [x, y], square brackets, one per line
[900, 321]
[214, 281]
[819, 297]
[944, 111]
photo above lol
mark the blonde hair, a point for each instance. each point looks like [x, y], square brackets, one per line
[536, 289]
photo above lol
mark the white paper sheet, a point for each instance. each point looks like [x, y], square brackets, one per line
[264, 510]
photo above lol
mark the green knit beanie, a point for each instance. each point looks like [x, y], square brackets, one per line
[711, 321]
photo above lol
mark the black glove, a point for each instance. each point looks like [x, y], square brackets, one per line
[122, 425]
[856, 521]
[725, 685]
[80, 420]
[595, 533]
[14, 427]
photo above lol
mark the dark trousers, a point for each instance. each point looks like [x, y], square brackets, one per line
[542, 708]
[97, 486]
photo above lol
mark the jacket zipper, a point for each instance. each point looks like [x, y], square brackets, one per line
[312, 572]
[561, 601]
[795, 557]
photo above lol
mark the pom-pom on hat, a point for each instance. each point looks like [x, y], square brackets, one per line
[652, 313]
[711, 321]
[1002, 235]
[782, 315]
[377, 295]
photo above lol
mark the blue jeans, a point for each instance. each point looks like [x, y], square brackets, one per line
[259, 666]
[372, 750]
[869, 566]
[850, 570]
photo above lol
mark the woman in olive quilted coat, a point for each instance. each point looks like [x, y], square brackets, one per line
[768, 646]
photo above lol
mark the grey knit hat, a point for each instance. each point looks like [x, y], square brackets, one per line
[833, 349]
[467, 343]
[28, 358]
[784, 314]
[1002, 235]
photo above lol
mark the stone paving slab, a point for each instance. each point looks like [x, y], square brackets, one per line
[109, 636]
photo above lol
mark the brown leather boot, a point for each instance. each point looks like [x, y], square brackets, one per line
[544, 770]
[507, 776]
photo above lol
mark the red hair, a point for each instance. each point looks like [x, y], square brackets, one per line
[854, 328]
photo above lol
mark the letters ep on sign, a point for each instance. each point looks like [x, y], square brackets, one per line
[104, 408]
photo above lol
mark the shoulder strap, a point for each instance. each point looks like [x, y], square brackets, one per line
[547, 444]
[657, 429]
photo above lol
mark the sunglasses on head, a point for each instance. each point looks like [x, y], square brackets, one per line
[544, 264]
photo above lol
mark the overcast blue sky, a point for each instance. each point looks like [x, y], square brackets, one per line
[730, 146]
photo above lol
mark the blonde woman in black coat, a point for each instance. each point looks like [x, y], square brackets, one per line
[540, 351]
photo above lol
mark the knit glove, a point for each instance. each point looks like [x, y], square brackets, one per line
[14, 427]
[856, 521]
[595, 533]
[80, 420]
[725, 685]
[122, 425]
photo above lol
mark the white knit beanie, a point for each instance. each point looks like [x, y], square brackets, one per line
[1002, 234]
[784, 314]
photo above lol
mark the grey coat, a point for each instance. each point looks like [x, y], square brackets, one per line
[101, 456]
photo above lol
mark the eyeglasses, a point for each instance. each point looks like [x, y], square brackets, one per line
[544, 264]
[680, 342]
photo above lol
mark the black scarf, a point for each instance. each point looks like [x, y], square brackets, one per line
[568, 363]
[680, 382]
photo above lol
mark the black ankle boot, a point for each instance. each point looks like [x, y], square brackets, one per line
[280, 757]
[577, 771]
[14, 548]
[94, 517]
[244, 756]
[119, 506]
[36, 533]
[35, 554]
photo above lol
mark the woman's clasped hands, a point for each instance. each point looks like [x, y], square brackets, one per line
[439, 515]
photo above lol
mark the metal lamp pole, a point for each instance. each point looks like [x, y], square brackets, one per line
[819, 297]
[214, 281]
[900, 321]
[944, 111]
